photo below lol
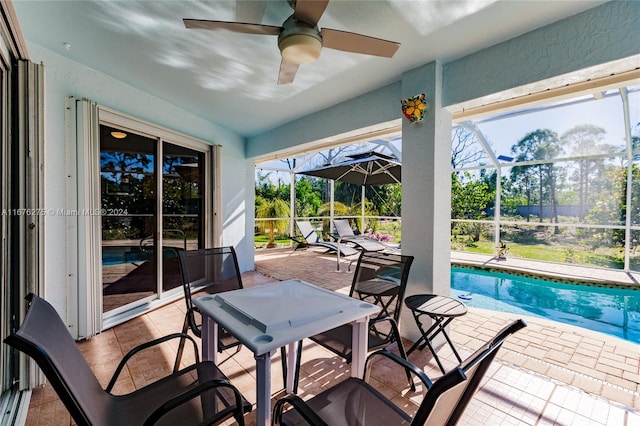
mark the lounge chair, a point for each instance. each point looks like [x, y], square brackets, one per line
[356, 402]
[346, 235]
[198, 394]
[381, 279]
[310, 239]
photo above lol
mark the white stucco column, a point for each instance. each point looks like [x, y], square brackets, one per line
[426, 190]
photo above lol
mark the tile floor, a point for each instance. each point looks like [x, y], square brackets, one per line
[547, 373]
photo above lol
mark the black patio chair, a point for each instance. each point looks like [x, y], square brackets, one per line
[381, 279]
[198, 394]
[356, 402]
[207, 271]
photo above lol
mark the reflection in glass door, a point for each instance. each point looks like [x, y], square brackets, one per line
[130, 165]
[128, 190]
[182, 208]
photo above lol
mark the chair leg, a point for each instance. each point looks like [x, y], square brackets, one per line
[283, 357]
[185, 329]
[296, 377]
[403, 353]
[296, 372]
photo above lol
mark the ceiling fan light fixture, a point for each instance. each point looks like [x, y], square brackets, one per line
[300, 48]
[118, 134]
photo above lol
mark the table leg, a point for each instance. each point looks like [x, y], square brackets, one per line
[263, 389]
[359, 346]
[292, 359]
[209, 339]
[446, 336]
[415, 345]
[427, 336]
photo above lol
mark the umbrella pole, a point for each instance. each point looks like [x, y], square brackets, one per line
[331, 213]
[362, 211]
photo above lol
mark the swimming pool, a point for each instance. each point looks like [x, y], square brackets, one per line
[611, 310]
[118, 255]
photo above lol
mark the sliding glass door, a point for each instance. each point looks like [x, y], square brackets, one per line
[141, 176]
[128, 201]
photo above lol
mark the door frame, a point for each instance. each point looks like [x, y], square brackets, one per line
[85, 296]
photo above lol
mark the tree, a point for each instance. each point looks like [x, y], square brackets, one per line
[341, 209]
[308, 196]
[469, 200]
[272, 210]
[538, 146]
[585, 140]
[465, 149]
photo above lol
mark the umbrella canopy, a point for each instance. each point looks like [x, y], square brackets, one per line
[190, 172]
[368, 168]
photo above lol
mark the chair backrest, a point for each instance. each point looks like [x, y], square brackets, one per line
[447, 399]
[214, 268]
[343, 228]
[307, 231]
[386, 272]
[44, 337]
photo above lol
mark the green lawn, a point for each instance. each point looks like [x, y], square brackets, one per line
[557, 253]
[551, 253]
[260, 241]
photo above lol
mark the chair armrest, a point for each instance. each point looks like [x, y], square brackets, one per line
[195, 392]
[403, 354]
[403, 362]
[390, 247]
[192, 321]
[147, 345]
[298, 240]
[300, 406]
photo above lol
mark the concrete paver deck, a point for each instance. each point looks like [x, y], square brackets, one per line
[603, 367]
[546, 374]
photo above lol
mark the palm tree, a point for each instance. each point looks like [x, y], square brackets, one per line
[272, 209]
[341, 209]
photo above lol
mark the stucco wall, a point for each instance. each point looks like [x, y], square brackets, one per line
[375, 107]
[64, 78]
[599, 35]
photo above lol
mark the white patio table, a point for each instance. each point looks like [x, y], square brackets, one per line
[269, 316]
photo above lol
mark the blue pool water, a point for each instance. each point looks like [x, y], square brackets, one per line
[615, 311]
[118, 255]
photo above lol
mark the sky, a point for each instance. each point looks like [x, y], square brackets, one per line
[606, 113]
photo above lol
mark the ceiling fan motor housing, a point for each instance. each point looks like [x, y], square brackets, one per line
[299, 42]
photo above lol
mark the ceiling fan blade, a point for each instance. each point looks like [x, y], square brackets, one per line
[358, 43]
[236, 27]
[287, 72]
[310, 11]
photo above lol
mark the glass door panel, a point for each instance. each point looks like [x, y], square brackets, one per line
[128, 190]
[182, 208]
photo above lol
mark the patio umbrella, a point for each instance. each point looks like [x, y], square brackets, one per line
[368, 168]
[365, 169]
[190, 172]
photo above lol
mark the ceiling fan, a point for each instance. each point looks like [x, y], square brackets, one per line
[299, 39]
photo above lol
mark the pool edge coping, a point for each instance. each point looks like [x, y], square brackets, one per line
[545, 275]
